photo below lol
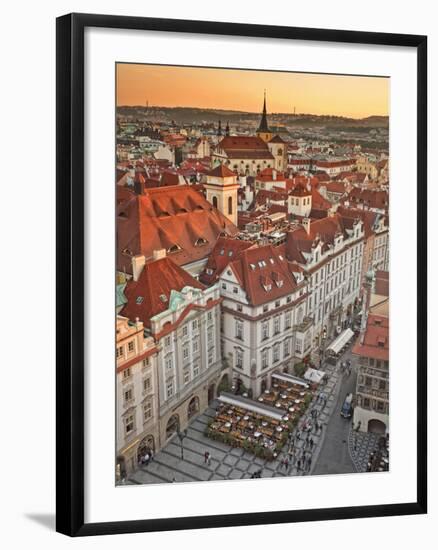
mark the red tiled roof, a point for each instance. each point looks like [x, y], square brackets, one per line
[221, 171]
[225, 251]
[367, 216]
[165, 217]
[300, 190]
[268, 175]
[263, 274]
[319, 202]
[249, 147]
[369, 197]
[298, 240]
[242, 142]
[153, 289]
[335, 187]
[123, 194]
[376, 339]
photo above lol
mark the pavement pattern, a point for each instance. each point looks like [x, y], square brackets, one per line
[361, 445]
[231, 463]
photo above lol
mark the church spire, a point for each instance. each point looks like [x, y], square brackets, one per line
[219, 129]
[263, 126]
[227, 129]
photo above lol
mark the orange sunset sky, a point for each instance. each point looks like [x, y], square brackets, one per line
[351, 96]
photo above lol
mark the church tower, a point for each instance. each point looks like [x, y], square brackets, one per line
[300, 200]
[263, 131]
[222, 188]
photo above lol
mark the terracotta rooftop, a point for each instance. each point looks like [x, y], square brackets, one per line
[225, 251]
[150, 294]
[376, 339]
[264, 274]
[178, 219]
[221, 171]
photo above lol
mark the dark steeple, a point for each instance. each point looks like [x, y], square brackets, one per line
[219, 129]
[263, 127]
[227, 129]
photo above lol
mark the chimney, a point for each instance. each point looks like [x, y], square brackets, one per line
[306, 225]
[138, 262]
[158, 254]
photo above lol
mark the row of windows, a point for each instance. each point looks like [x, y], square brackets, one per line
[128, 393]
[129, 420]
[128, 348]
[127, 373]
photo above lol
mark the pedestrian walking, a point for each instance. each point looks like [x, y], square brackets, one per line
[286, 463]
[206, 457]
[309, 463]
[311, 443]
[299, 465]
[298, 435]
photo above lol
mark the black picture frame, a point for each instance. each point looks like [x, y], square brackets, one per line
[70, 273]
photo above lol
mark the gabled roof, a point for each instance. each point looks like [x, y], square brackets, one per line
[242, 143]
[151, 293]
[301, 190]
[367, 216]
[371, 198]
[221, 171]
[325, 229]
[225, 251]
[319, 202]
[176, 218]
[264, 274]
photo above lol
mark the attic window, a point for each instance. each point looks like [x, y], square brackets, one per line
[209, 271]
[139, 300]
[252, 266]
[200, 242]
[163, 298]
[127, 252]
[230, 253]
[173, 248]
[281, 257]
[271, 260]
[222, 252]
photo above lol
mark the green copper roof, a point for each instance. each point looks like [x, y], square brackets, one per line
[120, 295]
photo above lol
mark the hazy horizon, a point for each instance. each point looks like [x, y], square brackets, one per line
[241, 90]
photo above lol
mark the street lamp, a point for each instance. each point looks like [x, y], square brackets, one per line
[181, 436]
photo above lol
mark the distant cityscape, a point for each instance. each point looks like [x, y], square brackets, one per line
[252, 294]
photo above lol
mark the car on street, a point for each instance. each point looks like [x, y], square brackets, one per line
[347, 407]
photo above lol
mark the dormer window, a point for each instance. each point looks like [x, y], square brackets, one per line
[200, 242]
[139, 300]
[174, 248]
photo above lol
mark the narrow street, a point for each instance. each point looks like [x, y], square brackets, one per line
[334, 457]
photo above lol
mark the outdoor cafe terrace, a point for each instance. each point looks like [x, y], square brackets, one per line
[261, 426]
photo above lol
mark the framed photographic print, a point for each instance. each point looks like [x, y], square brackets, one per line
[241, 336]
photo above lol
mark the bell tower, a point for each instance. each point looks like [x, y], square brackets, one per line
[222, 189]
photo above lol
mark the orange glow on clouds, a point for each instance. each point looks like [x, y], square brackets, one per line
[320, 94]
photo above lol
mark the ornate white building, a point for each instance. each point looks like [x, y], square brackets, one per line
[183, 318]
